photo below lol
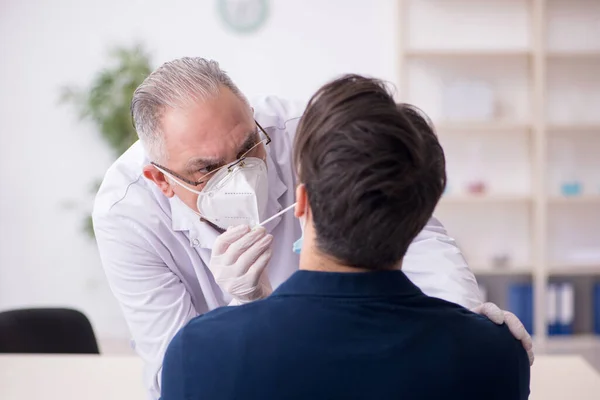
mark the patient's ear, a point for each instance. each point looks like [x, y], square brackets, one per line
[301, 201]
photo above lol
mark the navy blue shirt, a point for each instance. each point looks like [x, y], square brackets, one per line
[324, 335]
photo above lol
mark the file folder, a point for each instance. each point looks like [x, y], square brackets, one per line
[566, 308]
[520, 303]
[552, 309]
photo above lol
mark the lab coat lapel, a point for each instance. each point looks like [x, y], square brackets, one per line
[277, 188]
[201, 234]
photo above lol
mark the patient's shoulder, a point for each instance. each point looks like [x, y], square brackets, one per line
[487, 342]
[223, 323]
[204, 348]
[487, 353]
[220, 317]
[474, 331]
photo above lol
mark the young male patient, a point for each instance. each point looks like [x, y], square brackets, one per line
[349, 324]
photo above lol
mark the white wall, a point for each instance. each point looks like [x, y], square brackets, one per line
[47, 157]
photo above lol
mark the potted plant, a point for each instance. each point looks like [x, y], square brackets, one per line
[106, 101]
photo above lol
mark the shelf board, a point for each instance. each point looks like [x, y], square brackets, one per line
[492, 126]
[578, 54]
[574, 128]
[509, 270]
[573, 342]
[467, 52]
[571, 269]
[581, 199]
[484, 198]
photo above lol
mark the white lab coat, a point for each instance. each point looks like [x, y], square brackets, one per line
[155, 255]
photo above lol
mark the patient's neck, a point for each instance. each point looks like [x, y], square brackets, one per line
[316, 261]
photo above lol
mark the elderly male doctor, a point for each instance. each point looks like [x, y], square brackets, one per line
[174, 216]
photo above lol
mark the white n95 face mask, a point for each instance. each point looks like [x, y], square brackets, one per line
[234, 195]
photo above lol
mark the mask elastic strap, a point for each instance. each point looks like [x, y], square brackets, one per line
[305, 217]
[183, 186]
[277, 215]
[176, 180]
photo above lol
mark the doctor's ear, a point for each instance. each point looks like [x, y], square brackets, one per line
[153, 174]
[301, 201]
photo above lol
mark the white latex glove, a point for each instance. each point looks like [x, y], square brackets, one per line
[497, 316]
[239, 258]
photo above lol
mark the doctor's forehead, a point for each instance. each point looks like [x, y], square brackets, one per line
[196, 162]
[210, 129]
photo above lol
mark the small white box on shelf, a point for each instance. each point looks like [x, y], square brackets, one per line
[468, 100]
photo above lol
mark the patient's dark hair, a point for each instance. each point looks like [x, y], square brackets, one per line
[374, 171]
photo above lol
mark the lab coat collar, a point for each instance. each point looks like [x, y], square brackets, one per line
[344, 284]
[182, 218]
[203, 235]
[277, 188]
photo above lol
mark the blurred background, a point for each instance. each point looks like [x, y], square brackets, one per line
[513, 87]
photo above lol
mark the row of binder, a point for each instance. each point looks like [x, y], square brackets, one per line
[596, 300]
[520, 302]
[560, 310]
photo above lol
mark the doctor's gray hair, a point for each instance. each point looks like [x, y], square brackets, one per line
[175, 84]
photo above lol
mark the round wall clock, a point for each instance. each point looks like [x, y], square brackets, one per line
[244, 16]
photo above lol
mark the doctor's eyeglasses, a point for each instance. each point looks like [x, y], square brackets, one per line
[266, 139]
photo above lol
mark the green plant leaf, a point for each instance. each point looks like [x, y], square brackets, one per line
[95, 186]
[107, 99]
[88, 226]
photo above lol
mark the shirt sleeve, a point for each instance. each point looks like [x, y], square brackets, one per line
[436, 265]
[154, 301]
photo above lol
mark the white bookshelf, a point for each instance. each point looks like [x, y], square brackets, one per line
[579, 199]
[542, 59]
[567, 343]
[581, 55]
[574, 128]
[573, 269]
[509, 270]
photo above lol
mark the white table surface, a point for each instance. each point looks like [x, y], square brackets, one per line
[49, 377]
[71, 377]
[563, 377]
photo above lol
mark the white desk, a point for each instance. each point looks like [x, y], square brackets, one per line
[71, 377]
[563, 377]
[24, 377]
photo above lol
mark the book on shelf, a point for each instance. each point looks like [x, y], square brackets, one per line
[552, 309]
[596, 299]
[561, 308]
[520, 303]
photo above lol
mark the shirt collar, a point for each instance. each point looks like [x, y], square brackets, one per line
[344, 284]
